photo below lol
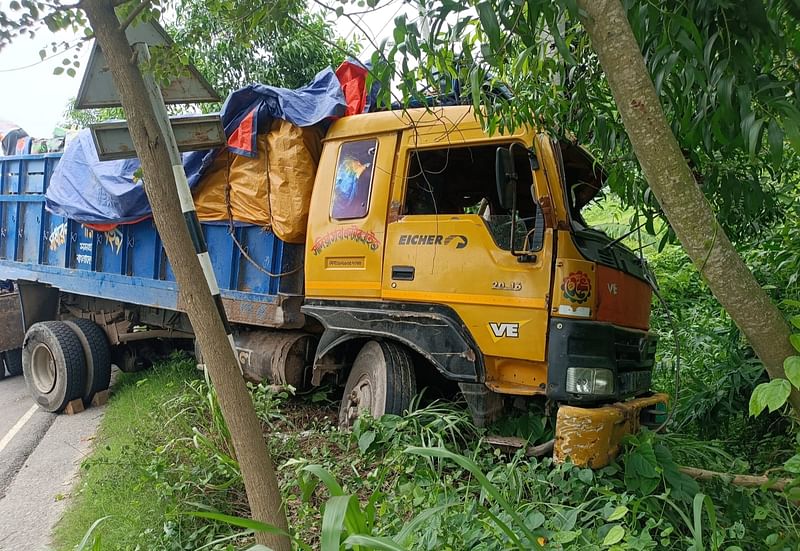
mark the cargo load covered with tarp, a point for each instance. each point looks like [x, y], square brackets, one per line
[271, 189]
[292, 122]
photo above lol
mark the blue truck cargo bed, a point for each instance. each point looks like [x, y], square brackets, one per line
[128, 263]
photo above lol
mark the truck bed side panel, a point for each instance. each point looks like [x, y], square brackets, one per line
[261, 277]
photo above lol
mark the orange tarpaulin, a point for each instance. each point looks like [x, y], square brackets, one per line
[271, 190]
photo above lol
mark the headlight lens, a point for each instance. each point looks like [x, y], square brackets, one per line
[588, 380]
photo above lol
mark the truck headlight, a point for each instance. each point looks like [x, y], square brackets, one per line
[589, 380]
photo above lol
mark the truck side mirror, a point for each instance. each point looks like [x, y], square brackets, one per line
[506, 176]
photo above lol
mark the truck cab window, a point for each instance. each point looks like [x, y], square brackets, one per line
[461, 180]
[583, 179]
[354, 170]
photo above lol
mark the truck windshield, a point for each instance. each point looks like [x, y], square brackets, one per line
[583, 179]
[461, 180]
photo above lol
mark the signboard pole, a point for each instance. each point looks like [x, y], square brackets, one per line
[184, 193]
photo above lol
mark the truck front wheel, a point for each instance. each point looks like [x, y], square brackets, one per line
[53, 364]
[381, 381]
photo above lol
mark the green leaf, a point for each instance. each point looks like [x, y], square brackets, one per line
[792, 134]
[754, 137]
[795, 340]
[586, 475]
[366, 440]
[373, 542]
[241, 522]
[489, 24]
[326, 478]
[793, 464]
[333, 522]
[775, 393]
[421, 518]
[726, 91]
[614, 535]
[475, 91]
[795, 320]
[58, 70]
[701, 500]
[757, 403]
[618, 513]
[86, 537]
[791, 367]
[566, 536]
[561, 46]
[775, 140]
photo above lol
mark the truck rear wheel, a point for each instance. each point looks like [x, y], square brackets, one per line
[97, 352]
[381, 381]
[54, 365]
[13, 361]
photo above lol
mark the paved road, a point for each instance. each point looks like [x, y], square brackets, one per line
[39, 457]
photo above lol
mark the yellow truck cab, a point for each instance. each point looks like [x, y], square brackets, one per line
[434, 249]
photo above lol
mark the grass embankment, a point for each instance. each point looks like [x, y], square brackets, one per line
[162, 453]
[133, 428]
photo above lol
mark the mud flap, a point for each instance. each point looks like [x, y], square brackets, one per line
[591, 437]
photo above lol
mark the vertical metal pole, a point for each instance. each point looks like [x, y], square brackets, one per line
[184, 193]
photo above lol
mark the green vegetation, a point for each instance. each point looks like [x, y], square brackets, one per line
[424, 481]
[113, 482]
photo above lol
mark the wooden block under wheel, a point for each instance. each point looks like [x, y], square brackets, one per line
[100, 398]
[74, 406]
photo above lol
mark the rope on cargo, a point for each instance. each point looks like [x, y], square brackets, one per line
[232, 228]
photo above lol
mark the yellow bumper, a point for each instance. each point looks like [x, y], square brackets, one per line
[591, 437]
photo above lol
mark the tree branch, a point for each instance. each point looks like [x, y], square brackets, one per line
[131, 16]
[743, 480]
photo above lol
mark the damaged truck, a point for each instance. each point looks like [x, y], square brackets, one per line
[381, 252]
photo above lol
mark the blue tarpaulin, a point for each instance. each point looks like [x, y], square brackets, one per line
[91, 191]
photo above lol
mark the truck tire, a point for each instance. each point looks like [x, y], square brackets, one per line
[54, 365]
[97, 352]
[13, 361]
[381, 381]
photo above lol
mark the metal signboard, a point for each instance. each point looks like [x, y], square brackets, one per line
[112, 140]
[98, 90]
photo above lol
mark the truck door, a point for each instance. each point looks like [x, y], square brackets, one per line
[347, 219]
[450, 243]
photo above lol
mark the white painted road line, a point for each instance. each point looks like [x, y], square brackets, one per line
[17, 427]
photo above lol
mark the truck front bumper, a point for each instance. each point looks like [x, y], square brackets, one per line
[591, 437]
[627, 355]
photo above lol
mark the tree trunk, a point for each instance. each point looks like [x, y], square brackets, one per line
[684, 204]
[234, 398]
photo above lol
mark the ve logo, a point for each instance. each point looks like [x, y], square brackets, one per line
[613, 289]
[500, 330]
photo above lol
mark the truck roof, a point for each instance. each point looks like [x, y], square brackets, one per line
[432, 120]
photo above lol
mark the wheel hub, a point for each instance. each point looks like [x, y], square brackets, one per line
[43, 369]
[360, 398]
